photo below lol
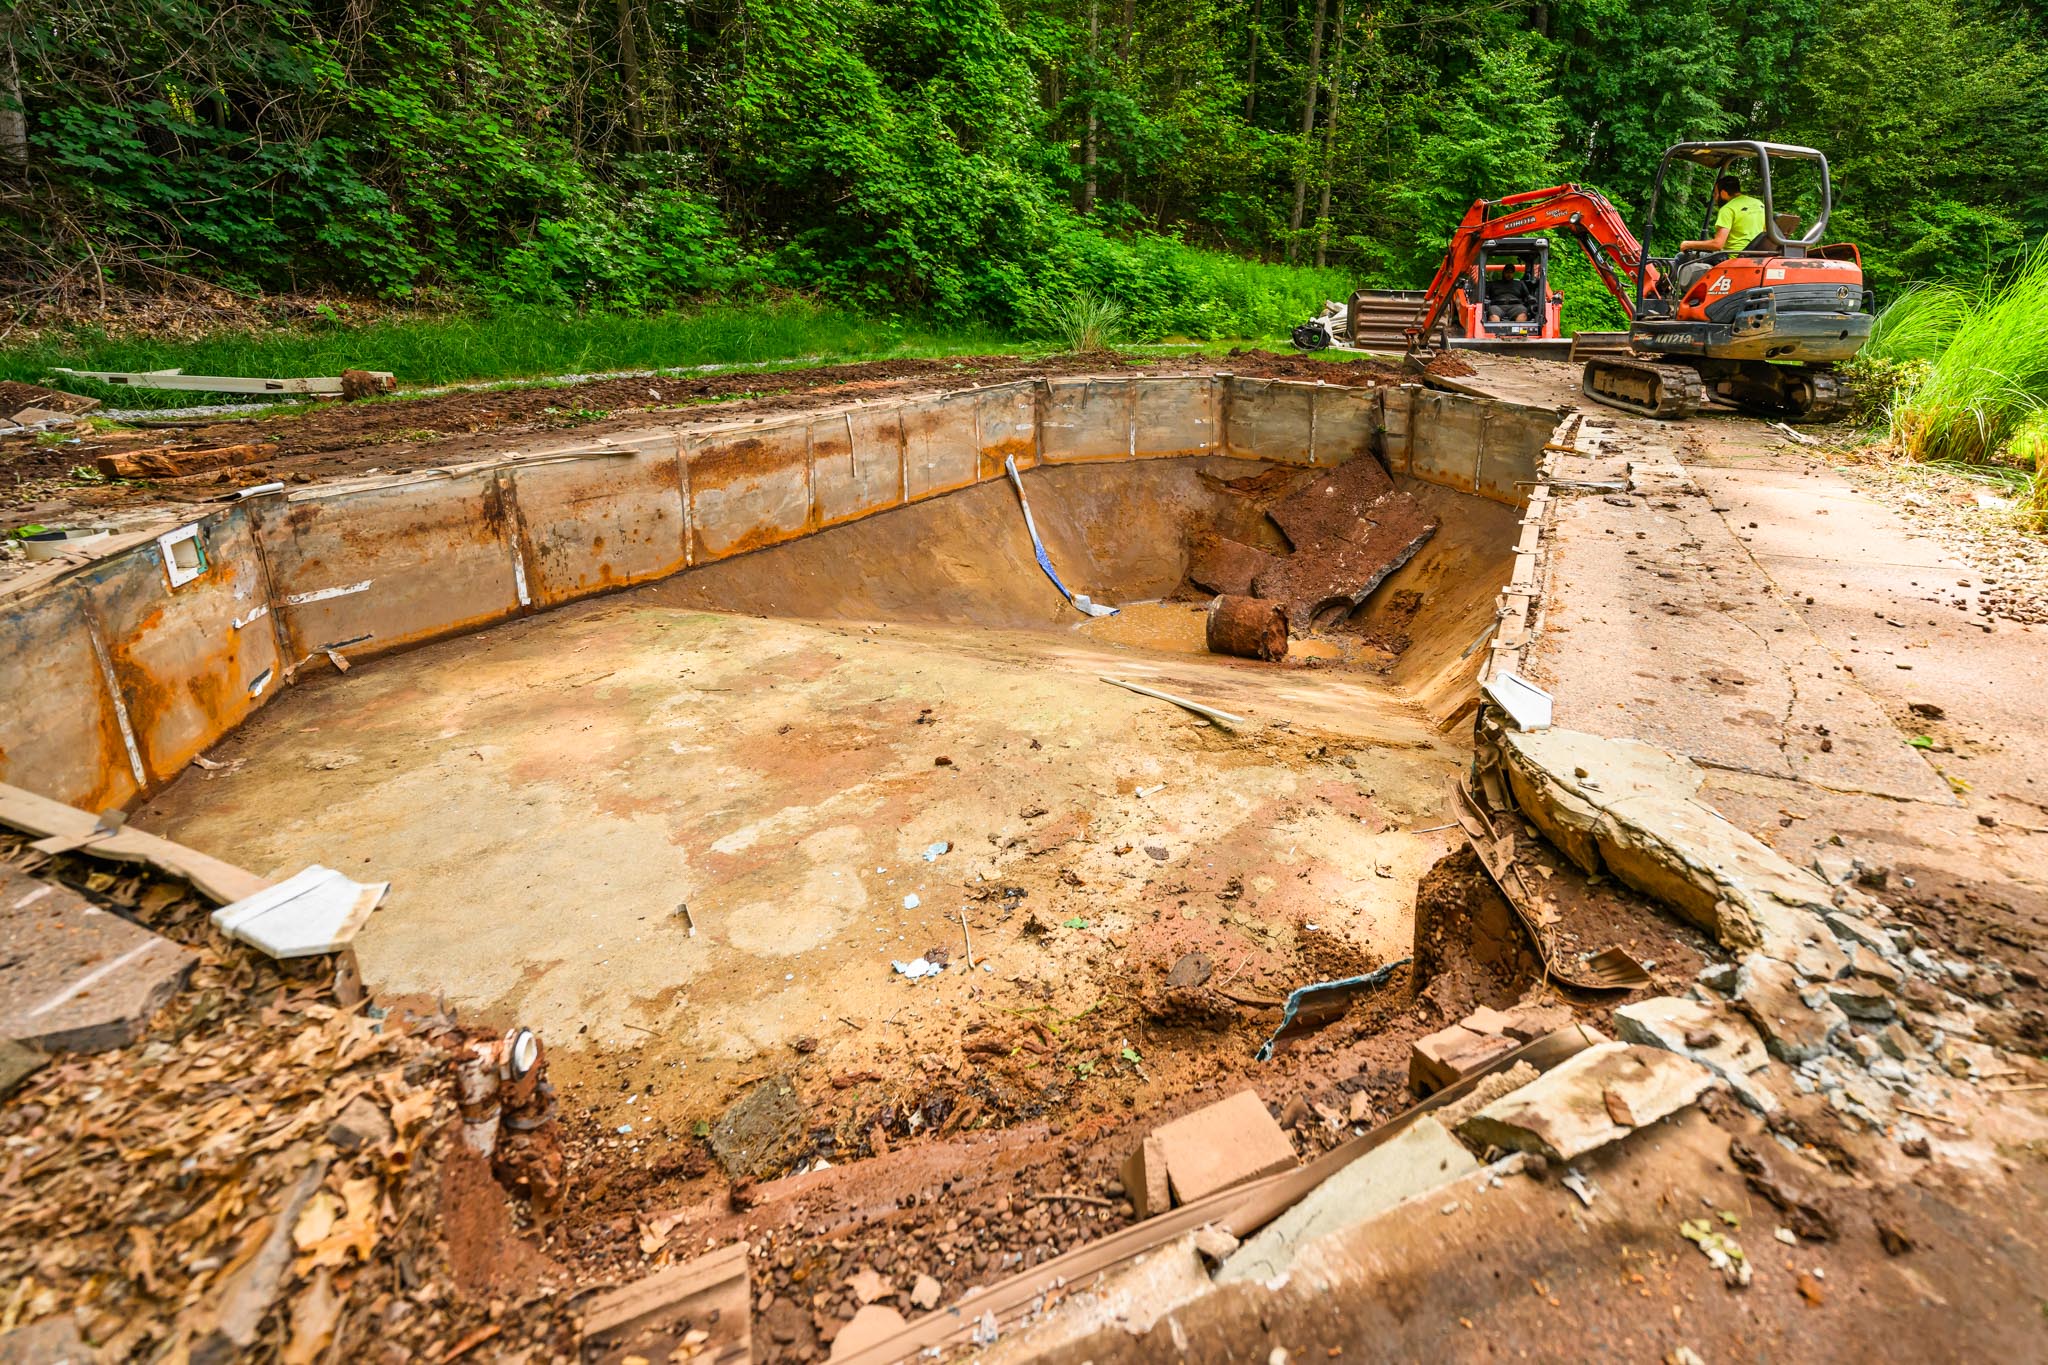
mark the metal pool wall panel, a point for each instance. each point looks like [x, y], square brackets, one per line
[1006, 426]
[1345, 423]
[598, 521]
[1445, 448]
[370, 569]
[191, 659]
[1171, 417]
[940, 452]
[749, 487]
[1511, 441]
[1477, 445]
[61, 730]
[1085, 419]
[1269, 419]
[856, 463]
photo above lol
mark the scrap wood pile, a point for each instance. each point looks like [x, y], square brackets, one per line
[257, 1175]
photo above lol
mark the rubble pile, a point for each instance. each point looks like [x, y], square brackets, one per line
[258, 1173]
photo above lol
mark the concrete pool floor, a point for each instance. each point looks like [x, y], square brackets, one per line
[543, 798]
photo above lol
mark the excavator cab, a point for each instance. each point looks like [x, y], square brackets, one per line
[1760, 328]
[1513, 299]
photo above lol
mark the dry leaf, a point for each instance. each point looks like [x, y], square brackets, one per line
[142, 1258]
[316, 1221]
[409, 1110]
[314, 1314]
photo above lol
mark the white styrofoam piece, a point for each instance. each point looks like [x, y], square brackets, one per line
[318, 911]
[1527, 705]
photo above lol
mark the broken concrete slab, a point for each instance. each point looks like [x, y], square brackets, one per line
[1710, 1033]
[1350, 528]
[1226, 566]
[18, 1062]
[1796, 1021]
[762, 1133]
[1632, 810]
[699, 1307]
[1420, 1158]
[77, 979]
[1590, 1100]
[1450, 1055]
[318, 911]
[1217, 1146]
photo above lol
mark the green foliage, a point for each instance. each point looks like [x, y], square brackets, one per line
[930, 157]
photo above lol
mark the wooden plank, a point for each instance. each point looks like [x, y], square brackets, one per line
[379, 380]
[179, 462]
[212, 878]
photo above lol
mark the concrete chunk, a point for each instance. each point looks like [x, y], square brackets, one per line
[1420, 1158]
[77, 979]
[1714, 1035]
[1223, 1144]
[1796, 1023]
[1450, 1055]
[1144, 1175]
[1580, 1105]
[1523, 1023]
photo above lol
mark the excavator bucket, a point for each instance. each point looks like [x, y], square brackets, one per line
[1586, 344]
[1380, 318]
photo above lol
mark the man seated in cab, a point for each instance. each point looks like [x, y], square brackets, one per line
[1738, 222]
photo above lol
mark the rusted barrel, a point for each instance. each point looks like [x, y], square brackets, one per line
[1248, 627]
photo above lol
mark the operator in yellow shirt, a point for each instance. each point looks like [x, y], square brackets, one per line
[1739, 222]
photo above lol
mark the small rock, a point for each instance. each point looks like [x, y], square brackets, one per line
[925, 1293]
[1793, 1029]
[361, 1124]
[1861, 998]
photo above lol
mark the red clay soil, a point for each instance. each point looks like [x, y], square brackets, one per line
[341, 439]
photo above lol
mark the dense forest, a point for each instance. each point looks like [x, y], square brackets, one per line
[959, 159]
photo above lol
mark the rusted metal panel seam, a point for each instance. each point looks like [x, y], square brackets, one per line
[515, 540]
[93, 633]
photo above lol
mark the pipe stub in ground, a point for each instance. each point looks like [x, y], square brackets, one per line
[1248, 627]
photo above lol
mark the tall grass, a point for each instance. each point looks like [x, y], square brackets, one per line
[1985, 384]
[1085, 321]
[1920, 322]
[506, 344]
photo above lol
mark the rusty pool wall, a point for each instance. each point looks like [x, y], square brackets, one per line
[116, 673]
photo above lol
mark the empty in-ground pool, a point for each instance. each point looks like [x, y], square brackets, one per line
[883, 742]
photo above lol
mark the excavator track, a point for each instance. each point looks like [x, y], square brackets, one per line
[1814, 396]
[1644, 387]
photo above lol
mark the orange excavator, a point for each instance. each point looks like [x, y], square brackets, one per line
[1761, 328]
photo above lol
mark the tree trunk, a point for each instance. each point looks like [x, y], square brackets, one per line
[629, 73]
[1308, 125]
[13, 118]
[1251, 73]
[1088, 140]
[1330, 140]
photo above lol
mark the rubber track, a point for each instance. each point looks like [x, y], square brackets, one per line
[1680, 391]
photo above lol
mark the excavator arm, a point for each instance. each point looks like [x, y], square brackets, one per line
[1586, 214]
